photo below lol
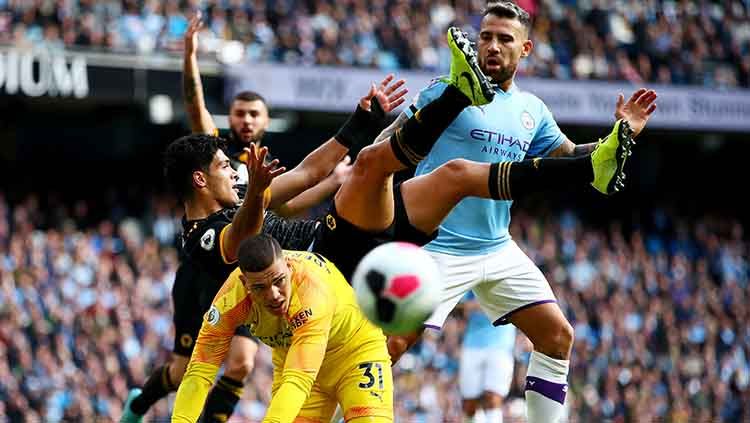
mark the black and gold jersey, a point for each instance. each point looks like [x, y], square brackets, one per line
[202, 239]
[203, 269]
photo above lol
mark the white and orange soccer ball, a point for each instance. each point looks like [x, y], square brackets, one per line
[397, 286]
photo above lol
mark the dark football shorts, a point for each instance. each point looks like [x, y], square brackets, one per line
[345, 245]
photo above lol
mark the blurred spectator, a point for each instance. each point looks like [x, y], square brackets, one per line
[690, 42]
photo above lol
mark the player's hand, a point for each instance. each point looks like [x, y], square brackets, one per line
[261, 173]
[342, 170]
[191, 34]
[388, 94]
[637, 110]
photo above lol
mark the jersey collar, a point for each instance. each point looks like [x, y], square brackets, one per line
[513, 88]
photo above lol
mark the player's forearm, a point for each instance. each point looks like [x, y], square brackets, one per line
[247, 222]
[313, 169]
[193, 391]
[309, 198]
[195, 104]
[289, 398]
[321, 162]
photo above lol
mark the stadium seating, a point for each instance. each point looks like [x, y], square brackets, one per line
[703, 43]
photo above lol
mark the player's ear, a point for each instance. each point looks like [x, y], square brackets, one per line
[199, 179]
[244, 281]
[528, 45]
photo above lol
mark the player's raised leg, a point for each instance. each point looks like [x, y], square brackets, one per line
[467, 86]
[368, 195]
[366, 199]
[459, 178]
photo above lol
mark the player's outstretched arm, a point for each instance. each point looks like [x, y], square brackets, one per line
[192, 88]
[636, 111]
[249, 217]
[360, 129]
[317, 194]
[211, 348]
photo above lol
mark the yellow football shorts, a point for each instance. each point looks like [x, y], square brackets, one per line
[364, 390]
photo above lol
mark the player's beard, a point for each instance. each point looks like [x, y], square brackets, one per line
[256, 139]
[503, 74]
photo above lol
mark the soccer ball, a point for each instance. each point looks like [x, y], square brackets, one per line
[397, 286]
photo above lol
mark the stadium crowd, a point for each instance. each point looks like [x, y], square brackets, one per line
[659, 313]
[687, 42]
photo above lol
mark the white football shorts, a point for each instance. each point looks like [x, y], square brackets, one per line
[503, 281]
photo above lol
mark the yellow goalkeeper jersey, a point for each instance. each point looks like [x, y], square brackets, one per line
[322, 331]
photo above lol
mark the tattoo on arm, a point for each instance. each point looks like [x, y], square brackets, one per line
[188, 85]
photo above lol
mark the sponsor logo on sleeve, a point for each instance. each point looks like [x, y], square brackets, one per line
[213, 316]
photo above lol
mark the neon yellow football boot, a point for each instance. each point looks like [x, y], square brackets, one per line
[608, 159]
[465, 72]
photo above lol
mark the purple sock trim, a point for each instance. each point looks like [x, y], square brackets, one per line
[433, 327]
[551, 390]
[503, 320]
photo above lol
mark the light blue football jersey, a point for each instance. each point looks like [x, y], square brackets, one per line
[516, 124]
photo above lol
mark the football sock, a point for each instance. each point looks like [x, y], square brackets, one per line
[546, 386]
[511, 180]
[415, 138]
[157, 386]
[222, 400]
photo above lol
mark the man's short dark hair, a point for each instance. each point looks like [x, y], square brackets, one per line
[510, 10]
[249, 96]
[184, 156]
[258, 252]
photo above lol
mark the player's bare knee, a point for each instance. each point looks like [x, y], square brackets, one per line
[177, 368]
[398, 345]
[452, 172]
[370, 160]
[239, 369]
[176, 373]
[561, 342]
[456, 169]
